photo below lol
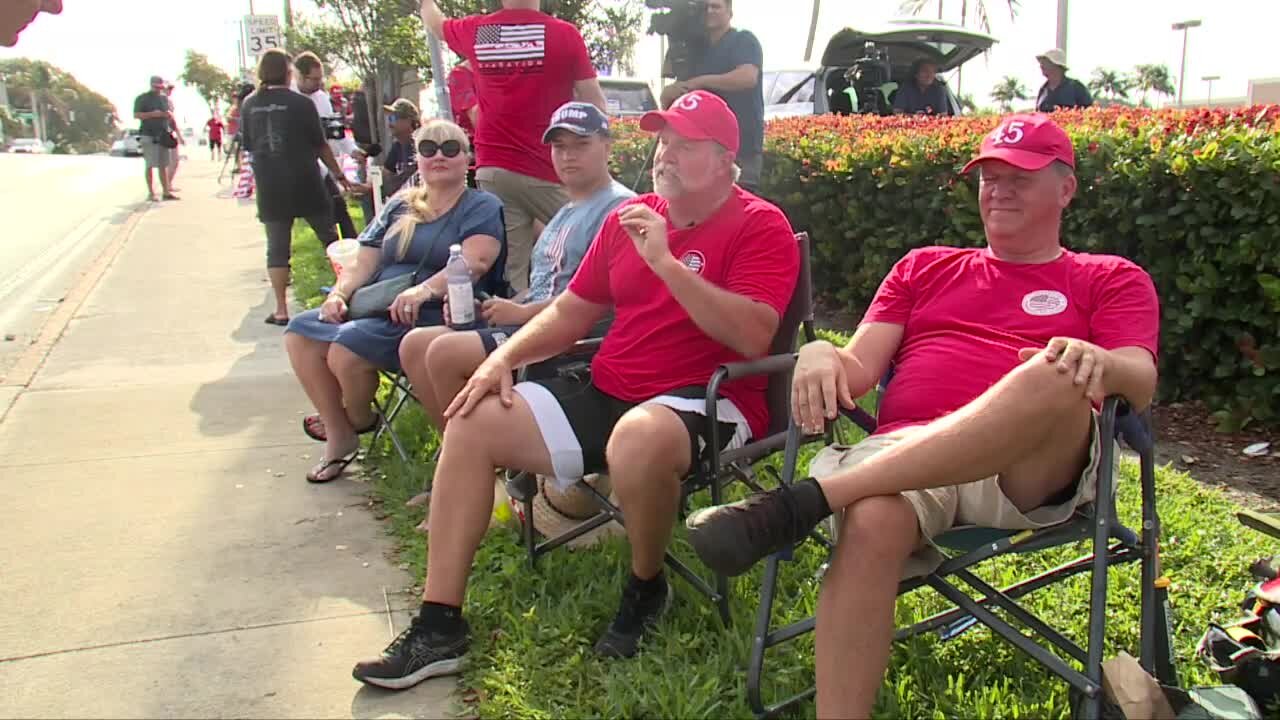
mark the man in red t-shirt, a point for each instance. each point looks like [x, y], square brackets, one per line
[1001, 356]
[697, 274]
[526, 64]
[214, 127]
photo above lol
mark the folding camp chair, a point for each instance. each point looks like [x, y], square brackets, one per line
[389, 408]
[713, 466]
[1112, 544]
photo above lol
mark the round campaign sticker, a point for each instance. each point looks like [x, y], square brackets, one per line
[1044, 302]
[694, 260]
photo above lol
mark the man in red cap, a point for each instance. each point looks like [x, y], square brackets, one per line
[697, 274]
[1000, 355]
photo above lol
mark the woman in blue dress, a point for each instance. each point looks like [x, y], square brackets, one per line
[336, 358]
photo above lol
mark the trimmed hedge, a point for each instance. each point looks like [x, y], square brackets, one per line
[1192, 196]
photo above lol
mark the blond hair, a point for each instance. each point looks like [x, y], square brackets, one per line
[417, 210]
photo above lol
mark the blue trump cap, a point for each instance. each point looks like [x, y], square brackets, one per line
[579, 118]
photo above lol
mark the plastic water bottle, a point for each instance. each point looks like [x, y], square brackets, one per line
[462, 302]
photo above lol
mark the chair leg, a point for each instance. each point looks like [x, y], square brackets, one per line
[1103, 517]
[764, 619]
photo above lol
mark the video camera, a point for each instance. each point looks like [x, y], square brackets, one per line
[335, 126]
[866, 76]
[685, 25]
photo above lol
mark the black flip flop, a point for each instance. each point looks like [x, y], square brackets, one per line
[341, 463]
[273, 320]
[310, 421]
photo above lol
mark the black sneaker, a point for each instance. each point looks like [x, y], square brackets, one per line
[731, 538]
[417, 654]
[636, 615]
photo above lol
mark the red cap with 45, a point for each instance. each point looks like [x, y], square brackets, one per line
[1029, 141]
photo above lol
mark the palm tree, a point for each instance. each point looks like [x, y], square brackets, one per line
[1153, 78]
[1111, 83]
[1008, 91]
[980, 10]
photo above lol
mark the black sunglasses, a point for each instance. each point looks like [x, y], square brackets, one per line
[450, 148]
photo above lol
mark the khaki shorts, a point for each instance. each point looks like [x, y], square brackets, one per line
[980, 503]
[524, 200]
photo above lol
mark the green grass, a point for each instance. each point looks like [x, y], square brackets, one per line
[533, 631]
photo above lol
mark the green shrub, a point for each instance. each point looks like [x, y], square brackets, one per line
[1192, 196]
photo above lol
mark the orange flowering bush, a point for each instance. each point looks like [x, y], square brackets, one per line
[1193, 196]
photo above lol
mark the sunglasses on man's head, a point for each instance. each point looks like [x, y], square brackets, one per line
[450, 148]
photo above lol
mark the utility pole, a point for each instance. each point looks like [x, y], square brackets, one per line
[1062, 26]
[1209, 79]
[1182, 74]
[288, 20]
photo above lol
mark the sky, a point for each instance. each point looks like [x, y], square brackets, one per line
[114, 46]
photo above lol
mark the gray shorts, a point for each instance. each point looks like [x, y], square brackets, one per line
[153, 153]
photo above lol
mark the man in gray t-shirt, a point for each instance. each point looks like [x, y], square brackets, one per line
[580, 146]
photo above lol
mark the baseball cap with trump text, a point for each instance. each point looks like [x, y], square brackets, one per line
[698, 115]
[1030, 141]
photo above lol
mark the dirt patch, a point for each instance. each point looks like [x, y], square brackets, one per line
[1185, 436]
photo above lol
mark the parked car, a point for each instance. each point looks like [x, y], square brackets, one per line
[29, 146]
[129, 145]
[627, 97]
[853, 53]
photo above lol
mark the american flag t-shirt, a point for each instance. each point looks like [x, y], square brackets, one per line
[501, 47]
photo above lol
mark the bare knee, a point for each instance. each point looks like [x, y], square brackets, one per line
[1040, 384]
[880, 531]
[454, 354]
[648, 445]
[345, 363]
[413, 348]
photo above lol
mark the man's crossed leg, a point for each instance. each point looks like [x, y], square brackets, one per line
[1013, 457]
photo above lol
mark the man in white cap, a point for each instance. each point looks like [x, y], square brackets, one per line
[1059, 91]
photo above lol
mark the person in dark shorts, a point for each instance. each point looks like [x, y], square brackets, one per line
[698, 274]
[214, 128]
[281, 132]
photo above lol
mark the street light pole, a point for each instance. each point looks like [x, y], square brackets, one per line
[1209, 79]
[1062, 26]
[1182, 74]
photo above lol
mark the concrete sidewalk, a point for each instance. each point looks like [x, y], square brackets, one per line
[163, 555]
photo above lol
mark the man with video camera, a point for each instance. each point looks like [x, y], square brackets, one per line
[731, 66]
[309, 81]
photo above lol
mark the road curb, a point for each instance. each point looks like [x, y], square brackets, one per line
[33, 357]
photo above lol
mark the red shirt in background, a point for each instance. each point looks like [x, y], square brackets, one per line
[966, 315]
[233, 120]
[653, 347]
[215, 129]
[525, 64]
[462, 97]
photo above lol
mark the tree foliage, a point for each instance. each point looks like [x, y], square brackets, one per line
[75, 118]
[1111, 84]
[1152, 78]
[213, 83]
[1008, 91]
[981, 13]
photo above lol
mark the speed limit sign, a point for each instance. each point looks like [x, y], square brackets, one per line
[262, 32]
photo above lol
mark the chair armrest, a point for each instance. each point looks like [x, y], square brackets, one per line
[767, 365]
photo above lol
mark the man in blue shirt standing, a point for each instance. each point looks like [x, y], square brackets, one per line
[437, 361]
[731, 67]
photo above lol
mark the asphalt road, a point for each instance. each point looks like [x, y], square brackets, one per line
[58, 213]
